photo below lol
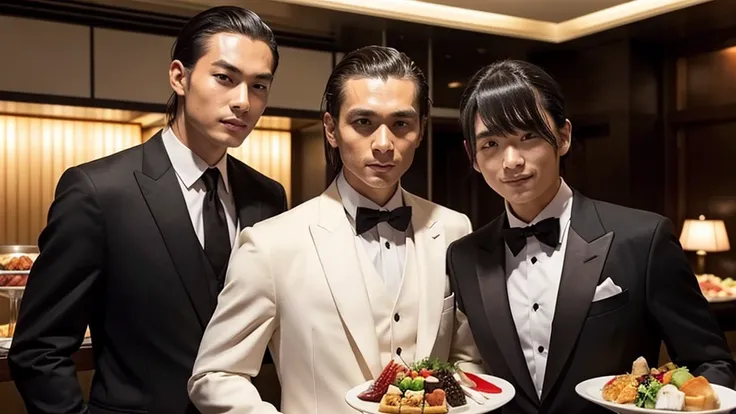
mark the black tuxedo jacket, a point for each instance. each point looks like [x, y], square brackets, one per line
[119, 254]
[661, 300]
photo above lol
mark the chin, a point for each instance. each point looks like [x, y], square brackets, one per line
[228, 139]
[378, 182]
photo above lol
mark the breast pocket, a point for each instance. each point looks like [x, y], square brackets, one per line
[608, 305]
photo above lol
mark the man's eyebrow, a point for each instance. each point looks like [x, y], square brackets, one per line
[404, 113]
[361, 112]
[483, 134]
[227, 66]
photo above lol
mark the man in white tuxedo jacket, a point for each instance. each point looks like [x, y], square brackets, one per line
[346, 282]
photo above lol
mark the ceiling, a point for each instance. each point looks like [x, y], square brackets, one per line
[552, 21]
[553, 11]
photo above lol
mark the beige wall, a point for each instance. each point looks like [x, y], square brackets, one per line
[128, 66]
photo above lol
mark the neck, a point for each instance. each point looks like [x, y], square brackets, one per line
[380, 196]
[528, 211]
[197, 142]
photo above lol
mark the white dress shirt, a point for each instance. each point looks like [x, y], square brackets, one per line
[189, 168]
[533, 282]
[384, 245]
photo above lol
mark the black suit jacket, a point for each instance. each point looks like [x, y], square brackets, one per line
[119, 254]
[661, 300]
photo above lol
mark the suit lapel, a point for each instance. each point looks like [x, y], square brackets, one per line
[245, 193]
[492, 280]
[334, 240]
[586, 252]
[429, 242]
[160, 188]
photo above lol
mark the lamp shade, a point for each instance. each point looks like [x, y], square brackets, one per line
[704, 235]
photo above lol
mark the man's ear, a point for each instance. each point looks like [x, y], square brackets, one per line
[178, 77]
[565, 138]
[330, 125]
[468, 152]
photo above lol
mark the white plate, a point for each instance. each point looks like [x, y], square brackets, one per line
[718, 299]
[494, 400]
[591, 390]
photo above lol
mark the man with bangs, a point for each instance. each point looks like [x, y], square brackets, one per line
[561, 288]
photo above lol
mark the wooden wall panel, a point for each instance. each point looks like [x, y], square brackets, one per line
[44, 57]
[34, 152]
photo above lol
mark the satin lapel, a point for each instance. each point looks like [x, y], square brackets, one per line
[492, 280]
[430, 247]
[161, 190]
[246, 194]
[582, 268]
[334, 240]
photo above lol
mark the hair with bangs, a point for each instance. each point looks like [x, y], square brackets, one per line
[510, 97]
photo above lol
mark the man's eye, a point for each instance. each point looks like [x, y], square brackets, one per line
[221, 77]
[362, 122]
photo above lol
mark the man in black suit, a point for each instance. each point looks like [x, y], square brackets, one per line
[137, 243]
[561, 288]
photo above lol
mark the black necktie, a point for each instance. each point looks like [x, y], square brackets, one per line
[367, 218]
[546, 231]
[216, 235]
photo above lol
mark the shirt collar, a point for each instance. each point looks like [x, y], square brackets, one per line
[560, 206]
[189, 166]
[351, 199]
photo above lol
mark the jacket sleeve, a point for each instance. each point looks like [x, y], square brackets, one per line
[691, 333]
[237, 336]
[463, 349]
[55, 309]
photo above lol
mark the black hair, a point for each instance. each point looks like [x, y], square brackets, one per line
[509, 95]
[191, 44]
[370, 62]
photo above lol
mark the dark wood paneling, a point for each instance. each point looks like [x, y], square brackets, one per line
[710, 184]
[710, 79]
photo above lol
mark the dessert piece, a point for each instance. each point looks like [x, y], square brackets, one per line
[391, 401]
[434, 402]
[431, 384]
[454, 394]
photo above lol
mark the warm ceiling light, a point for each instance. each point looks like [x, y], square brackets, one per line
[500, 24]
[454, 85]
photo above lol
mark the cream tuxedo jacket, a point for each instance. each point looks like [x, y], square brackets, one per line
[295, 285]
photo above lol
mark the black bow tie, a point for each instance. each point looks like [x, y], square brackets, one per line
[367, 218]
[546, 231]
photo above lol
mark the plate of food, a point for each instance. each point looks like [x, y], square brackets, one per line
[431, 387]
[15, 265]
[716, 289]
[658, 390]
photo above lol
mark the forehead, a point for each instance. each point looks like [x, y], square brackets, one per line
[250, 56]
[382, 96]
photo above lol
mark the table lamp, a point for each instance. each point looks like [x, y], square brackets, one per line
[703, 236]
